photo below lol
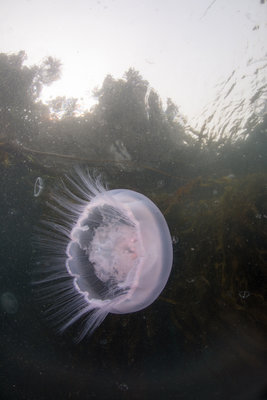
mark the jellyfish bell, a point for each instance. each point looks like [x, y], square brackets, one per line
[113, 253]
[38, 187]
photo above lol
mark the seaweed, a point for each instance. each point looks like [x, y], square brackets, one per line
[221, 225]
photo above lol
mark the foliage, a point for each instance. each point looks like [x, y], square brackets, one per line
[20, 89]
[62, 107]
[128, 125]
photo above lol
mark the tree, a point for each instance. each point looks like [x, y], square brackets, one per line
[20, 89]
[171, 110]
[62, 107]
[129, 112]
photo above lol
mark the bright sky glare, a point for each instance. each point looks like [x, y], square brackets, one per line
[182, 47]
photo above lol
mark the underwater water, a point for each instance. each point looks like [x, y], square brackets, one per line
[204, 337]
[144, 275]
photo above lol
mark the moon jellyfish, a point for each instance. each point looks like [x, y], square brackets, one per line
[112, 253]
[38, 186]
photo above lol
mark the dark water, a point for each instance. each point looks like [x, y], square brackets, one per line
[204, 338]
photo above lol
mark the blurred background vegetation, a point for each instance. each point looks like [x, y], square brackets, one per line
[128, 125]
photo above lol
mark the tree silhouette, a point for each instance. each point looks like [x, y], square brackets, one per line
[20, 89]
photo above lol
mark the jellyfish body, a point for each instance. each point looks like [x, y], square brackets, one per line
[38, 187]
[115, 250]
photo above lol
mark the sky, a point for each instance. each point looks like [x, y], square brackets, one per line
[184, 48]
